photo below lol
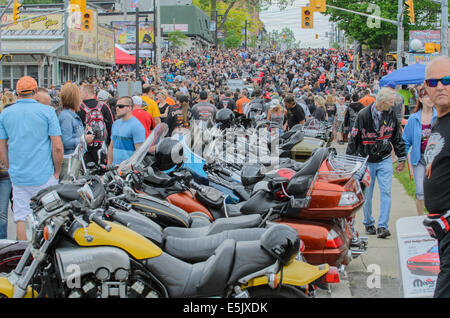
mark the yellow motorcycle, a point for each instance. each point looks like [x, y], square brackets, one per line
[76, 254]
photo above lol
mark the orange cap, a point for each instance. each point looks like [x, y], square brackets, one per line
[26, 84]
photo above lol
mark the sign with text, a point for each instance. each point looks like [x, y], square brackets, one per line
[418, 257]
[47, 22]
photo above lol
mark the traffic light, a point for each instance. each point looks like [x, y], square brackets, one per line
[78, 5]
[16, 11]
[87, 20]
[284, 36]
[307, 18]
[317, 36]
[318, 5]
[410, 5]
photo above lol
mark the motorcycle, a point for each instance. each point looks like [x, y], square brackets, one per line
[331, 186]
[76, 254]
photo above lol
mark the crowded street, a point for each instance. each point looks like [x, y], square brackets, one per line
[142, 156]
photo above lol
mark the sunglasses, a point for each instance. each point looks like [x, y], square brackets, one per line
[122, 105]
[433, 82]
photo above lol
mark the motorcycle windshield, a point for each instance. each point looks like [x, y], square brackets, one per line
[157, 134]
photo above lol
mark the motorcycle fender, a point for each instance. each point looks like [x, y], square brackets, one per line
[6, 289]
[297, 273]
[120, 236]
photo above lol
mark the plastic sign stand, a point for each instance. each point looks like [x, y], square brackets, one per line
[418, 258]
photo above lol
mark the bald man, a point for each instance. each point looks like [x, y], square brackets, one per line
[437, 177]
[43, 97]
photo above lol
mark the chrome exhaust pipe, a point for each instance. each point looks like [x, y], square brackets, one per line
[356, 253]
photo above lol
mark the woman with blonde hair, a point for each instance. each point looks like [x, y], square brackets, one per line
[276, 116]
[7, 100]
[72, 128]
[321, 111]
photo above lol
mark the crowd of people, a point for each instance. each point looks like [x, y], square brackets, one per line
[40, 127]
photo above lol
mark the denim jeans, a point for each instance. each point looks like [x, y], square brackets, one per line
[419, 175]
[5, 194]
[381, 171]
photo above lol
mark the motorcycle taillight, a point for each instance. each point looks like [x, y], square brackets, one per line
[332, 276]
[333, 240]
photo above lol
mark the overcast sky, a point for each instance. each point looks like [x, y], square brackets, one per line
[274, 19]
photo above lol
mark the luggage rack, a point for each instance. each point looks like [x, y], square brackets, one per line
[344, 167]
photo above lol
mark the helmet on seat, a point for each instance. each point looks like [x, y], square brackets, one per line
[224, 118]
[169, 153]
[282, 242]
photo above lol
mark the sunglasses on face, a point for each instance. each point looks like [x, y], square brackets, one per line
[433, 82]
[122, 105]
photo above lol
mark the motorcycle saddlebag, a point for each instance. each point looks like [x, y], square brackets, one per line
[161, 212]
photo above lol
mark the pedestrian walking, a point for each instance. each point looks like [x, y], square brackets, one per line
[416, 134]
[128, 133]
[72, 128]
[375, 131]
[35, 151]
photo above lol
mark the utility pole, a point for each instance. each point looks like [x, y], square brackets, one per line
[444, 27]
[158, 33]
[246, 34]
[1, 60]
[137, 44]
[154, 33]
[400, 35]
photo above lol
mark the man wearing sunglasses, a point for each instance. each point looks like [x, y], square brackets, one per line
[437, 159]
[127, 133]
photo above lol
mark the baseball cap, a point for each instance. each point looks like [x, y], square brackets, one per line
[26, 85]
[103, 95]
[137, 100]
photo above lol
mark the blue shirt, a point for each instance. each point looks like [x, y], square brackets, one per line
[28, 126]
[71, 130]
[125, 134]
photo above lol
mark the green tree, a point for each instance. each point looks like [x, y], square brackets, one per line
[356, 26]
[232, 41]
[177, 38]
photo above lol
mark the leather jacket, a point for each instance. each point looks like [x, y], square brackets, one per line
[366, 140]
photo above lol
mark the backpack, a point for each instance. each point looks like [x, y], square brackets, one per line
[95, 120]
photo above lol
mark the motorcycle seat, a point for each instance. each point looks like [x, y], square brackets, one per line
[259, 203]
[230, 262]
[219, 225]
[199, 249]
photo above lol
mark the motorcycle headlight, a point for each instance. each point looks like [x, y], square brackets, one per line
[30, 226]
[348, 198]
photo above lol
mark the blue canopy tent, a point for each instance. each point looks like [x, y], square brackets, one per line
[413, 74]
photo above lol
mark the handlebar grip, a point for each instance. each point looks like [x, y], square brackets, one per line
[120, 220]
[101, 223]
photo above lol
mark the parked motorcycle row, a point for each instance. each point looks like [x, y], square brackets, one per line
[177, 219]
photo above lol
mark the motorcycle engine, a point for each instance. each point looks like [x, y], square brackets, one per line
[101, 272]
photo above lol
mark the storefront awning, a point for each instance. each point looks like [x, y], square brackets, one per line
[31, 47]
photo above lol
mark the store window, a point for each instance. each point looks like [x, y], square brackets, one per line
[32, 70]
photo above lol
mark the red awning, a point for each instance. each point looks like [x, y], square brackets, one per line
[123, 58]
